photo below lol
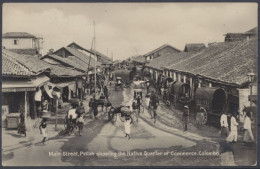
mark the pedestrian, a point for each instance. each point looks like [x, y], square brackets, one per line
[224, 125]
[199, 117]
[105, 92]
[185, 117]
[147, 99]
[127, 124]
[90, 104]
[21, 126]
[138, 103]
[232, 137]
[80, 122]
[248, 135]
[154, 102]
[95, 108]
[43, 129]
[147, 86]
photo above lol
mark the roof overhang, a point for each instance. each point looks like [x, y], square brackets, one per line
[24, 85]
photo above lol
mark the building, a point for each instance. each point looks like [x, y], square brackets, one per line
[194, 47]
[162, 50]
[23, 43]
[21, 76]
[224, 64]
[251, 34]
[138, 60]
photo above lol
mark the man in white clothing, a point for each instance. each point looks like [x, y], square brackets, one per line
[224, 125]
[233, 129]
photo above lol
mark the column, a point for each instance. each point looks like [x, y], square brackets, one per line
[25, 107]
[179, 77]
[210, 84]
[199, 86]
[191, 87]
[184, 79]
[174, 76]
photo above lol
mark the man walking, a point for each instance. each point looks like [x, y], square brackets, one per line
[185, 117]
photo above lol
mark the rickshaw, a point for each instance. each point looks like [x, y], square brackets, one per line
[119, 83]
[123, 111]
[126, 77]
[140, 107]
[211, 101]
[71, 119]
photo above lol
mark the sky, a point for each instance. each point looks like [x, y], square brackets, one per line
[127, 29]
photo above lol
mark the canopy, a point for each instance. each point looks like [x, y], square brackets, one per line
[205, 93]
[24, 85]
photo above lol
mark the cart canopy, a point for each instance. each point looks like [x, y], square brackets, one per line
[212, 99]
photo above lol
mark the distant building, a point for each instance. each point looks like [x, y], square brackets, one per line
[251, 34]
[194, 47]
[22, 43]
[163, 50]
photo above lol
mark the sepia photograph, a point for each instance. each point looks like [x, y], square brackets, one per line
[129, 84]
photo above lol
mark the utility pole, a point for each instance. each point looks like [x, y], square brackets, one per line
[95, 72]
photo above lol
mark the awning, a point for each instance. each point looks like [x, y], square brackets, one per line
[24, 85]
[63, 84]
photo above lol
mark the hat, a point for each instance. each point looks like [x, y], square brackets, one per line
[186, 106]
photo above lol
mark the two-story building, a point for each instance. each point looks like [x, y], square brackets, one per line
[23, 43]
[162, 50]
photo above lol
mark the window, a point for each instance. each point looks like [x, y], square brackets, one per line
[16, 42]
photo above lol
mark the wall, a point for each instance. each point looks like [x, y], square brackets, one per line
[24, 43]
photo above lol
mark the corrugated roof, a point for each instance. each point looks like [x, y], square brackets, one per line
[34, 65]
[161, 47]
[17, 35]
[226, 61]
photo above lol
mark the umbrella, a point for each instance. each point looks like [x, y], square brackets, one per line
[250, 109]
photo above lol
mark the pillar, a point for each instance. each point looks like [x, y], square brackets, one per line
[184, 79]
[210, 84]
[179, 77]
[174, 76]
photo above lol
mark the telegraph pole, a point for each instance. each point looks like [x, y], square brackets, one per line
[95, 72]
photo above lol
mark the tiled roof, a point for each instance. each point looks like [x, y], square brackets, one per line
[17, 35]
[25, 51]
[70, 61]
[194, 47]
[34, 65]
[103, 58]
[161, 47]
[10, 67]
[82, 56]
[166, 60]
[228, 62]
[62, 71]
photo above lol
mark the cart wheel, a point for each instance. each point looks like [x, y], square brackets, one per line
[204, 116]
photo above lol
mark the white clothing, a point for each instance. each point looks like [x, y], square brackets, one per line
[44, 132]
[247, 123]
[147, 101]
[232, 136]
[233, 124]
[127, 126]
[38, 96]
[81, 120]
[72, 112]
[223, 120]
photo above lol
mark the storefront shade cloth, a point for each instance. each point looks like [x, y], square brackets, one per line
[48, 91]
[24, 85]
[38, 95]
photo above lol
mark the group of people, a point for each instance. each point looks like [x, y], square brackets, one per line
[231, 135]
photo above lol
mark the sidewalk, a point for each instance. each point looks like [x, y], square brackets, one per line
[11, 140]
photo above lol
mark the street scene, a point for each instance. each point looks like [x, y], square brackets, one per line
[70, 98]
